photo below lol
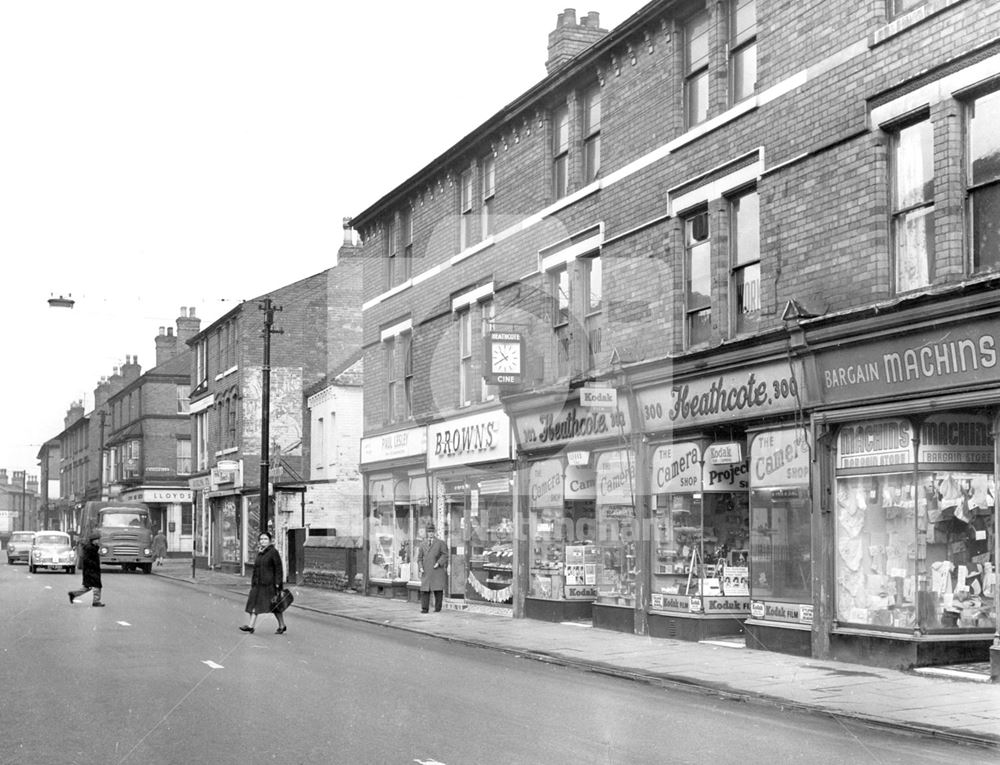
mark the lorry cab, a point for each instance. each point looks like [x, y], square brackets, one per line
[126, 533]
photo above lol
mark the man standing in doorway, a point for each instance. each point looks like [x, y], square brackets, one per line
[431, 560]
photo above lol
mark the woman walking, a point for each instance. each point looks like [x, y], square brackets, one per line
[265, 584]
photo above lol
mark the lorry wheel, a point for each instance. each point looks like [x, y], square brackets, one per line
[31, 569]
[147, 568]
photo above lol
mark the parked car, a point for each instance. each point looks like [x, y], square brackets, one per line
[19, 546]
[52, 549]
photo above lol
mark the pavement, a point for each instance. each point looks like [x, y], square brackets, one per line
[958, 707]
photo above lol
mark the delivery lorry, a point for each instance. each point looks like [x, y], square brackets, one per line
[126, 533]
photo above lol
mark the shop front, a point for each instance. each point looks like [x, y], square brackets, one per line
[578, 509]
[470, 462]
[170, 511]
[912, 519]
[397, 508]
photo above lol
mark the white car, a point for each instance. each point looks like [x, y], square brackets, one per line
[52, 549]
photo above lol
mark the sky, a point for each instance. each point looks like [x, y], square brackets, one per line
[159, 155]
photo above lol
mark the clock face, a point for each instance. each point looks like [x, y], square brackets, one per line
[506, 358]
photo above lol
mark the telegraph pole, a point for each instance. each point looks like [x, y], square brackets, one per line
[265, 409]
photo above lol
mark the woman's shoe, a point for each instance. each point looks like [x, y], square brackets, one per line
[246, 628]
[280, 630]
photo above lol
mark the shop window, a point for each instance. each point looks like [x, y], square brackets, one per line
[698, 279]
[391, 532]
[696, 68]
[187, 519]
[744, 242]
[984, 180]
[562, 528]
[560, 152]
[616, 529]
[742, 49]
[491, 541]
[914, 548]
[913, 205]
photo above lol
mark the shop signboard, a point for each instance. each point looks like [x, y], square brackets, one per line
[725, 476]
[479, 437]
[580, 482]
[780, 458]
[570, 424]
[755, 392]
[661, 601]
[793, 613]
[545, 484]
[615, 478]
[725, 605]
[390, 446]
[939, 359]
[156, 496]
[955, 439]
[877, 443]
[676, 468]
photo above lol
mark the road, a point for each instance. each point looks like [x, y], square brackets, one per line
[162, 675]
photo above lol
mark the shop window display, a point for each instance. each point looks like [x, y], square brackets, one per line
[491, 542]
[391, 542]
[915, 547]
[617, 563]
[781, 544]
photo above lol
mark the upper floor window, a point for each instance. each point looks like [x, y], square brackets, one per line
[743, 48]
[183, 456]
[183, 399]
[405, 265]
[319, 443]
[488, 311]
[594, 321]
[406, 340]
[696, 68]
[489, 193]
[913, 205]
[559, 290]
[465, 209]
[201, 439]
[560, 152]
[392, 258]
[744, 242]
[465, 373]
[392, 380]
[899, 7]
[201, 363]
[230, 423]
[592, 134]
[698, 279]
[984, 180]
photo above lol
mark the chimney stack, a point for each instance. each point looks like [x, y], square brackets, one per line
[32, 485]
[130, 369]
[166, 345]
[569, 39]
[3, 476]
[74, 413]
[188, 325]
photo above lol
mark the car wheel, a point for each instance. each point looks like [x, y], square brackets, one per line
[31, 569]
[70, 569]
[10, 561]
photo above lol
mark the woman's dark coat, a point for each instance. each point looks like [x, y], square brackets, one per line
[265, 582]
[90, 562]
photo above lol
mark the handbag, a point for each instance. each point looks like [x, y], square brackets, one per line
[282, 600]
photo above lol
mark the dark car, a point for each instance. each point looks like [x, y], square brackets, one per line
[19, 546]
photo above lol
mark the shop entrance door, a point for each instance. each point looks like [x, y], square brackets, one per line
[457, 544]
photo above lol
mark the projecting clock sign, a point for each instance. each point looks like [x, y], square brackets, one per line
[505, 358]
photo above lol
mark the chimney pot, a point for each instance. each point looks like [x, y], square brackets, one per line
[569, 39]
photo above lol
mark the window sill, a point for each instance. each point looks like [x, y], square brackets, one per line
[228, 372]
[230, 450]
[908, 20]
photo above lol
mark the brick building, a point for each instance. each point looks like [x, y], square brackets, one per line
[734, 266]
[147, 439]
[19, 502]
[316, 329]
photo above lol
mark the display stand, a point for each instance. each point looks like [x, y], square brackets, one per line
[695, 566]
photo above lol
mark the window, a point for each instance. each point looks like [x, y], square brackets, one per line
[744, 242]
[187, 519]
[230, 422]
[698, 279]
[183, 456]
[465, 378]
[560, 152]
[899, 7]
[488, 315]
[319, 443]
[560, 296]
[201, 363]
[594, 292]
[913, 205]
[984, 180]
[201, 439]
[406, 230]
[465, 227]
[743, 49]
[393, 269]
[222, 346]
[592, 135]
[183, 399]
[489, 192]
[392, 379]
[407, 341]
[696, 69]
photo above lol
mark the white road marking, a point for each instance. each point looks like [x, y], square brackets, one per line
[124, 624]
[48, 587]
[428, 762]
[213, 665]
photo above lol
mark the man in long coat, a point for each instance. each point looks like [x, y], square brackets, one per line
[90, 562]
[432, 560]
